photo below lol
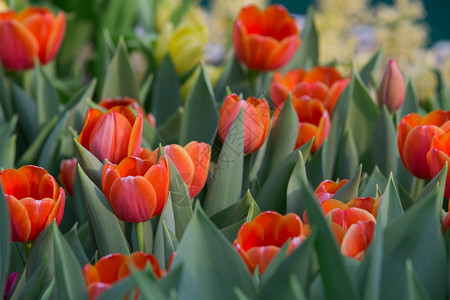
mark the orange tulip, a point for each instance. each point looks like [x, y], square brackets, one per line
[414, 138]
[68, 174]
[113, 135]
[114, 267]
[438, 155]
[391, 91]
[192, 162]
[260, 240]
[265, 40]
[322, 83]
[136, 189]
[256, 120]
[33, 33]
[34, 201]
[327, 189]
[109, 103]
[369, 204]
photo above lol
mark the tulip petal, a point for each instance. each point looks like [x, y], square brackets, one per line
[158, 177]
[38, 212]
[200, 154]
[327, 75]
[55, 38]
[357, 239]
[96, 289]
[34, 175]
[109, 175]
[91, 119]
[139, 260]
[15, 183]
[58, 209]
[20, 222]
[40, 25]
[134, 144]
[108, 267]
[182, 161]
[262, 256]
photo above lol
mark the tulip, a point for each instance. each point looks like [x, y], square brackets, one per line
[33, 33]
[136, 189]
[260, 240]
[113, 135]
[323, 83]
[34, 201]
[109, 103]
[192, 162]
[438, 155]
[368, 204]
[391, 91]
[327, 188]
[265, 40]
[68, 174]
[114, 267]
[256, 119]
[414, 138]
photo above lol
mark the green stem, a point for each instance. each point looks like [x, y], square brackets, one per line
[26, 248]
[252, 76]
[418, 185]
[139, 227]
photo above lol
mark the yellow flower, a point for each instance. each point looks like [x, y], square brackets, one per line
[185, 44]
[213, 73]
[3, 6]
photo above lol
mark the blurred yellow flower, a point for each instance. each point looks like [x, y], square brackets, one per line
[3, 6]
[164, 11]
[213, 73]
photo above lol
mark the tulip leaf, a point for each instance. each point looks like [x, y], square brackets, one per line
[8, 146]
[165, 242]
[5, 244]
[415, 236]
[78, 105]
[6, 110]
[48, 290]
[316, 168]
[200, 119]
[415, 288]
[48, 156]
[31, 154]
[385, 151]
[146, 283]
[181, 11]
[294, 201]
[307, 55]
[362, 117]
[170, 130]
[120, 80]
[232, 77]
[375, 180]
[149, 135]
[225, 178]
[272, 195]
[443, 97]
[350, 189]
[348, 159]
[105, 227]
[166, 95]
[75, 244]
[282, 140]
[370, 70]
[337, 282]
[90, 164]
[411, 101]
[119, 16]
[35, 283]
[26, 109]
[46, 98]
[299, 262]
[203, 250]
[119, 290]
[390, 207]
[439, 183]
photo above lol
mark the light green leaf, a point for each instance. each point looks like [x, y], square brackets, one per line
[411, 101]
[415, 288]
[385, 151]
[90, 164]
[294, 202]
[35, 282]
[390, 207]
[349, 190]
[376, 179]
[75, 244]
[232, 77]
[442, 92]
[46, 98]
[348, 159]
[370, 70]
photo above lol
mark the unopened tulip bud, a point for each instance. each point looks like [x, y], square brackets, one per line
[391, 91]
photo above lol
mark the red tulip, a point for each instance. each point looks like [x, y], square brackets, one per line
[256, 120]
[109, 103]
[136, 189]
[114, 267]
[438, 155]
[113, 135]
[68, 174]
[33, 33]
[322, 83]
[192, 162]
[327, 189]
[414, 138]
[34, 201]
[265, 40]
[260, 240]
[391, 91]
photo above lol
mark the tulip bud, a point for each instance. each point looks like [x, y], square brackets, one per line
[391, 91]
[68, 174]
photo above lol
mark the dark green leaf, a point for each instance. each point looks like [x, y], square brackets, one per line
[442, 92]
[375, 179]
[232, 77]
[146, 283]
[5, 244]
[118, 16]
[74, 242]
[225, 178]
[78, 105]
[35, 282]
[169, 132]
[370, 70]
[46, 98]
[6, 110]
[411, 102]
[294, 202]
[316, 168]
[390, 207]
[90, 164]
[348, 159]
[203, 250]
[349, 190]
[200, 117]
[26, 109]
[119, 290]
[385, 143]
[104, 224]
[415, 288]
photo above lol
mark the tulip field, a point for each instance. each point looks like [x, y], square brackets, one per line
[140, 161]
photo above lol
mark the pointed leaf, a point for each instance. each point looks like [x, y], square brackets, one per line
[75, 244]
[385, 151]
[375, 179]
[415, 288]
[411, 101]
[169, 132]
[370, 70]
[5, 243]
[46, 98]
[390, 206]
[6, 110]
[35, 283]
[90, 164]
[146, 283]
[316, 168]
[349, 190]
[26, 109]
[119, 290]
[294, 202]
[232, 77]
[348, 159]
[442, 92]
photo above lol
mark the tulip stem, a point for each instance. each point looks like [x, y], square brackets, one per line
[26, 248]
[139, 227]
[252, 76]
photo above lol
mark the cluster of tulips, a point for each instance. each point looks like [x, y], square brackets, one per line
[136, 180]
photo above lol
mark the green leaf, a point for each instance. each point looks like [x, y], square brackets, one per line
[349, 190]
[78, 105]
[316, 168]
[415, 236]
[166, 96]
[35, 283]
[370, 70]
[119, 290]
[442, 92]
[232, 77]
[169, 132]
[74, 242]
[203, 250]
[90, 164]
[415, 288]
[105, 227]
[48, 290]
[7, 148]
[120, 80]
[438, 182]
[390, 207]
[165, 245]
[385, 151]
[272, 195]
[337, 282]
[226, 176]
[118, 16]
[348, 159]
[181, 11]
[5, 243]
[6, 110]
[294, 202]
[362, 117]
[281, 140]
[26, 109]
[411, 101]
[46, 98]
[200, 118]
[146, 283]
[307, 55]
[375, 180]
